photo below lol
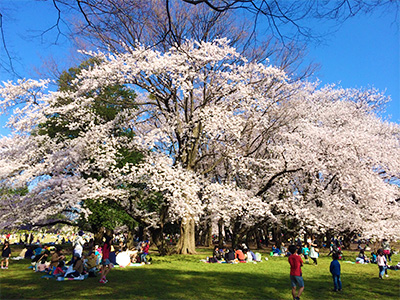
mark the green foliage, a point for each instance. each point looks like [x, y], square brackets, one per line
[106, 214]
[108, 102]
[19, 191]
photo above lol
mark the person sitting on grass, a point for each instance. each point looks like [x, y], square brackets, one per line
[284, 250]
[29, 254]
[56, 257]
[361, 258]
[239, 255]
[275, 251]
[144, 251]
[90, 264]
[133, 255]
[373, 258]
[217, 255]
[229, 255]
[59, 271]
[38, 250]
[250, 255]
[39, 261]
[77, 267]
[21, 255]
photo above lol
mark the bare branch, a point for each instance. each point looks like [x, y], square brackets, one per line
[5, 48]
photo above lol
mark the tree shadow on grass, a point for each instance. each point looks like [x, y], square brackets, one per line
[199, 281]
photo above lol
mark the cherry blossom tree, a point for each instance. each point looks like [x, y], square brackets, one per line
[222, 138]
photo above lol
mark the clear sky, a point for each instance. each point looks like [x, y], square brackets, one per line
[364, 52]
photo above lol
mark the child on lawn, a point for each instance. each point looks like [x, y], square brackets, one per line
[5, 255]
[382, 263]
[296, 276]
[335, 271]
[306, 253]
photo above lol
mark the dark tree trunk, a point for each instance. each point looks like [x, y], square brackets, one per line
[157, 237]
[228, 234]
[237, 234]
[130, 240]
[98, 235]
[328, 239]
[109, 232]
[258, 239]
[347, 240]
[266, 236]
[220, 234]
[249, 236]
[141, 233]
[209, 239]
[198, 235]
[203, 234]
[277, 235]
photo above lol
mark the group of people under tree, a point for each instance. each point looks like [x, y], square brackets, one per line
[239, 254]
[88, 260]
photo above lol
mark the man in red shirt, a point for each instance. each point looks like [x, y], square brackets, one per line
[296, 277]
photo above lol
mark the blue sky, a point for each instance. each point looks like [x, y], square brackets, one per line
[364, 52]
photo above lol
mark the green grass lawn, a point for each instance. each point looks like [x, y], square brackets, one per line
[185, 277]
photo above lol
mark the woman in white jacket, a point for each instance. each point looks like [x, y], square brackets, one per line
[313, 252]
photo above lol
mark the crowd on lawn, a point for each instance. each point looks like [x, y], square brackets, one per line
[88, 260]
[296, 253]
[241, 254]
[306, 250]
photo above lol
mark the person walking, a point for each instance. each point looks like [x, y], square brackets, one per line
[313, 252]
[106, 265]
[296, 276]
[335, 271]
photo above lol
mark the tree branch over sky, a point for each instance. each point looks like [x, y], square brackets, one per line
[163, 22]
[6, 65]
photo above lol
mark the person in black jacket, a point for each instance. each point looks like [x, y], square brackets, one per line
[229, 255]
[5, 255]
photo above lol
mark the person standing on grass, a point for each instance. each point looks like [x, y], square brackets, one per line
[386, 250]
[106, 265]
[382, 263]
[78, 244]
[296, 276]
[5, 255]
[313, 252]
[306, 252]
[335, 271]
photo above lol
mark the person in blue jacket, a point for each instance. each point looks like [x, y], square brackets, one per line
[335, 271]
